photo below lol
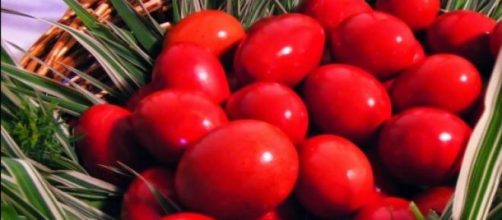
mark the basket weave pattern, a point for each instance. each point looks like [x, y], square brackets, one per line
[57, 48]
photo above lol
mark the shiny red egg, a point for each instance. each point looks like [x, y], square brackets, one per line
[347, 101]
[239, 171]
[107, 137]
[335, 177]
[139, 95]
[434, 199]
[139, 201]
[332, 13]
[169, 121]
[465, 33]
[444, 81]
[214, 30]
[280, 49]
[423, 146]
[190, 67]
[417, 14]
[273, 103]
[377, 42]
[389, 208]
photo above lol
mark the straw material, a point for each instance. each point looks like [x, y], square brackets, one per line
[58, 48]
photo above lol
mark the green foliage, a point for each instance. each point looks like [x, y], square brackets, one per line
[34, 130]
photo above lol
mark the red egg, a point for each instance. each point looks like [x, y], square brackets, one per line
[187, 216]
[465, 33]
[190, 67]
[107, 137]
[239, 171]
[386, 209]
[288, 210]
[280, 49]
[335, 177]
[496, 39]
[423, 146]
[169, 121]
[142, 93]
[214, 30]
[140, 203]
[332, 13]
[273, 103]
[377, 42]
[346, 101]
[443, 81]
[434, 199]
[417, 14]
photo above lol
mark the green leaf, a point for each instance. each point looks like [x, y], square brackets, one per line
[6, 58]
[9, 213]
[482, 164]
[44, 84]
[146, 33]
[34, 188]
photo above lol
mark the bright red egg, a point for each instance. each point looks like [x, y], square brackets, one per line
[169, 121]
[377, 42]
[332, 13]
[389, 208]
[434, 199]
[465, 33]
[239, 171]
[214, 30]
[423, 146]
[335, 177]
[140, 203]
[443, 81]
[280, 49]
[190, 67]
[107, 137]
[347, 101]
[273, 103]
[417, 14]
[187, 216]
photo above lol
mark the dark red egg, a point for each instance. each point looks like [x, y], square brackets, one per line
[273, 103]
[377, 42]
[465, 33]
[190, 67]
[142, 93]
[335, 177]
[169, 121]
[389, 208]
[332, 13]
[280, 49]
[434, 199]
[288, 210]
[347, 101]
[107, 137]
[443, 81]
[417, 14]
[214, 30]
[496, 39]
[187, 216]
[239, 171]
[423, 146]
[139, 201]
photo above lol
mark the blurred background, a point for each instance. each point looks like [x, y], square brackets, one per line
[25, 31]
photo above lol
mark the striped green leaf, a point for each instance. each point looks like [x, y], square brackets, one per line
[34, 188]
[482, 165]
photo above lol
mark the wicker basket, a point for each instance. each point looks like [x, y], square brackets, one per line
[58, 48]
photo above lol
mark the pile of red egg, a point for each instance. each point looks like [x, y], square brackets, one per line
[339, 111]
